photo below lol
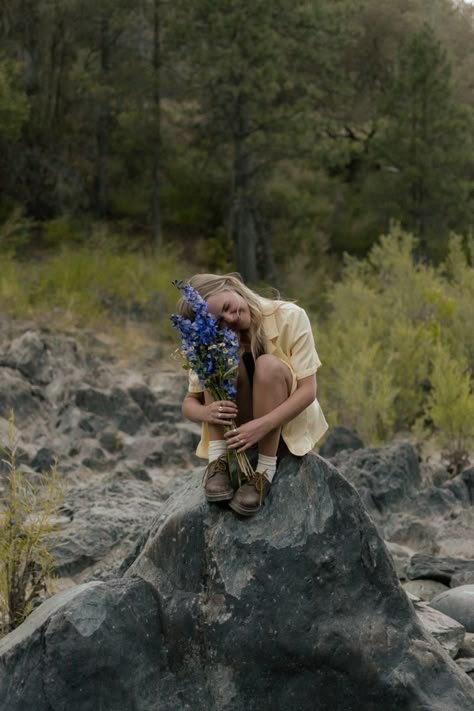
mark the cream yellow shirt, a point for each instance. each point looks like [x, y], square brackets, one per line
[289, 337]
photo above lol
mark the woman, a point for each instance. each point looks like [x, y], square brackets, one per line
[276, 389]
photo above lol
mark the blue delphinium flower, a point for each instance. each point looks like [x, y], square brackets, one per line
[209, 350]
[212, 352]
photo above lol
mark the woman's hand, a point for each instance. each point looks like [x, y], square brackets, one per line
[248, 434]
[220, 412]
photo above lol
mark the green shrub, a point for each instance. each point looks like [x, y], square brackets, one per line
[26, 523]
[380, 342]
[449, 409]
[86, 285]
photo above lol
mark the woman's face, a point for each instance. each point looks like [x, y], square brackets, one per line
[230, 309]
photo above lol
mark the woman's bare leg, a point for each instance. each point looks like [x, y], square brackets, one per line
[271, 386]
[244, 395]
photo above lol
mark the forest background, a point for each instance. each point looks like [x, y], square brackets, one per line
[323, 147]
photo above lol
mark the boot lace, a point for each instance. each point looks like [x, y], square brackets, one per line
[218, 466]
[259, 481]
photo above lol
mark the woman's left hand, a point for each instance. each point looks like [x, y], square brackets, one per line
[246, 435]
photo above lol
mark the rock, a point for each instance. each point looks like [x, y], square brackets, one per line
[44, 460]
[385, 477]
[467, 647]
[17, 394]
[459, 489]
[433, 500]
[41, 357]
[95, 646]
[339, 439]
[441, 569]
[114, 406]
[111, 440]
[458, 603]
[187, 436]
[130, 469]
[401, 557]
[424, 589]
[311, 543]
[231, 636]
[464, 577]
[467, 665]
[467, 477]
[448, 632]
[169, 384]
[406, 530]
[108, 517]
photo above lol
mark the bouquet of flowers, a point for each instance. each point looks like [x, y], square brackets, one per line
[211, 351]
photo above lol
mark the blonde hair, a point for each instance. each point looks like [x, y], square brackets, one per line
[209, 284]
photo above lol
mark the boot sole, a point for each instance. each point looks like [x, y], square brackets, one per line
[243, 512]
[226, 496]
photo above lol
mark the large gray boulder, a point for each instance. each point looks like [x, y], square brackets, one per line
[97, 646]
[296, 608]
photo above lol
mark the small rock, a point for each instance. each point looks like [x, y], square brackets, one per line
[468, 478]
[401, 557]
[44, 460]
[111, 440]
[425, 589]
[467, 647]
[458, 603]
[406, 530]
[447, 631]
[464, 577]
[466, 664]
[440, 569]
[340, 439]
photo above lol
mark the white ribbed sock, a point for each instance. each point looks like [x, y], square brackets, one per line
[217, 447]
[266, 465]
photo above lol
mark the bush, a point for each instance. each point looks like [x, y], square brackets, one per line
[26, 562]
[390, 319]
[450, 408]
[87, 286]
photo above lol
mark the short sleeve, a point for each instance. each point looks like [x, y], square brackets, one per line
[303, 356]
[194, 386]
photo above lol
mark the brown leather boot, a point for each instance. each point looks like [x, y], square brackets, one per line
[216, 480]
[250, 497]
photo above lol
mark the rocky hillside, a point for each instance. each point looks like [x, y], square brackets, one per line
[305, 599]
[117, 434]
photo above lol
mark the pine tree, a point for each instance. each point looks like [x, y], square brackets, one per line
[425, 152]
[262, 73]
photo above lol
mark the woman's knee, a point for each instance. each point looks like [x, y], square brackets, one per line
[270, 369]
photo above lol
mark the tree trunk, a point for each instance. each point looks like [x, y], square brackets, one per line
[243, 226]
[269, 268]
[156, 136]
[103, 124]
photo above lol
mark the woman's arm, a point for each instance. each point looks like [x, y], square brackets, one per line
[217, 412]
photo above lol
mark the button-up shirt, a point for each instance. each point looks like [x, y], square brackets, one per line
[289, 337]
